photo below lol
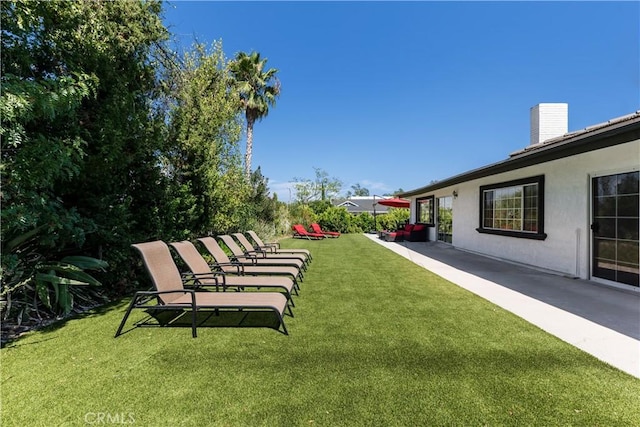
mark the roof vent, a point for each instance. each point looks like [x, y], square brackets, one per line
[548, 120]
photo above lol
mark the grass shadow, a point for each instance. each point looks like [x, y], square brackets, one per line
[206, 319]
[54, 324]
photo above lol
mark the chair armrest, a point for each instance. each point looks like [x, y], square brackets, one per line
[158, 293]
[218, 265]
[256, 253]
[187, 278]
[247, 257]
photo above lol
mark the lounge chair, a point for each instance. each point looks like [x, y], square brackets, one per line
[275, 246]
[246, 267]
[201, 273]
[240, 255]
[170, 293]
[299, 232]
[251, 250]
[317, 229]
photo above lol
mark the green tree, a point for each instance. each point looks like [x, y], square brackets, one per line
[79, 134]
[265, 206]
[258, 89]
[269, 216]
[210, 190]
[119, 185]
[358, 191]
[322, 187]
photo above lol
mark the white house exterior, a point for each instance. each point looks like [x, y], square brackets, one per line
[568, 204]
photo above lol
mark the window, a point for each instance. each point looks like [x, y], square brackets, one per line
[424, 210]
[445, 219]
[514, 208]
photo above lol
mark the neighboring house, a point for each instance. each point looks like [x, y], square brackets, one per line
[362, 204]
[567, 203]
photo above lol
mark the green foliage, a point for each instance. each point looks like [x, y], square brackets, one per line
[335, 219]
[108, 139]
[282, 223]
[358, 190]
[320, 206]
[69, 271]
[265, 206]
[279, 226]
[361, 223]
[31, 280]
[300, 213]
[321, 188]
[257, 89]
[211, 192]
[78, 133]
[394, 218]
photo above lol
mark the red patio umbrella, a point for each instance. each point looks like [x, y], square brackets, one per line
[395, 203]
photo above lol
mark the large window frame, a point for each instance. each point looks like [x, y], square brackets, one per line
[425, 205]
[521, 204]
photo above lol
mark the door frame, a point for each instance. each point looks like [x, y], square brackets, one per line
[590, 255]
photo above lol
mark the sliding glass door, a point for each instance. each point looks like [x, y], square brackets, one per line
[615, 228]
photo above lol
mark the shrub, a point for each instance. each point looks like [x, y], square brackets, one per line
[335, 219]
[393, 219]
[302, 214]
[361, 223]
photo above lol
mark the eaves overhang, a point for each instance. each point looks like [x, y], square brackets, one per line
[590, 139]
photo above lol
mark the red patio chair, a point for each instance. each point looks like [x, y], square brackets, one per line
[299, 232]
[316, 229]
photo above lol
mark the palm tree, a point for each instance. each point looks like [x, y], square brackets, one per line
[258, 91]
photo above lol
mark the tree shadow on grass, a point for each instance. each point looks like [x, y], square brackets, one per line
[12, 334]
[154, 318]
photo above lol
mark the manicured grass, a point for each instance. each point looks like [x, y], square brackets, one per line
[375, 340]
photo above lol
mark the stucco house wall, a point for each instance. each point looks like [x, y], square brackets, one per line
[567, 216]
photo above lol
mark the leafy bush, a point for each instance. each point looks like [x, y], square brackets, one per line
[320, 206]
[282, 221]
[361, 223]
[33, 282]
[302, 214]
[394, 218]
[335, 218]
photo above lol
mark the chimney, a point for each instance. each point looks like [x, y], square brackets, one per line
[548, 120]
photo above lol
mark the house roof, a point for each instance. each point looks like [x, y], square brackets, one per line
[361, 205]
[613, 132]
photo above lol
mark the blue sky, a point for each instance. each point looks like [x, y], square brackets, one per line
[394, 95]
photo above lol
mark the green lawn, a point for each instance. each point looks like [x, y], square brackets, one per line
[375, 340]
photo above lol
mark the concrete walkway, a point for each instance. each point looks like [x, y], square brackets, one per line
[598, 319]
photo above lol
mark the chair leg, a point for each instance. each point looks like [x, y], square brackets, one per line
[284, 327]
[126, 316]
[194, 332]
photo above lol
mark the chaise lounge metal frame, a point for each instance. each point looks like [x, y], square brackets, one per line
[170, 293]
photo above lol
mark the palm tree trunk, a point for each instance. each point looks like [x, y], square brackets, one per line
[248, 153]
